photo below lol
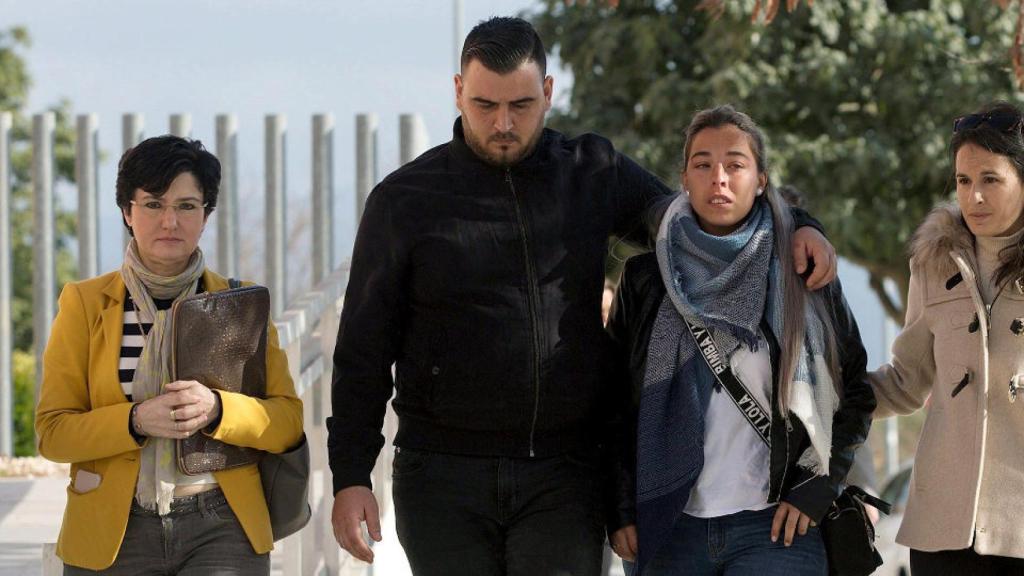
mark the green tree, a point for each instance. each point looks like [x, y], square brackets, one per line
[14, 85]
[857, 98]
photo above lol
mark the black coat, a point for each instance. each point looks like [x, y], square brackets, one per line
[483, 287]
[632, 319]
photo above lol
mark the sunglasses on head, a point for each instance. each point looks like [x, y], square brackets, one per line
[1001, 121]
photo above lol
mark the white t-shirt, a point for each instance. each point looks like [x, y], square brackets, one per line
[736, 461]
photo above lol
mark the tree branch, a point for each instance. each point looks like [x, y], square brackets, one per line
[894, 311]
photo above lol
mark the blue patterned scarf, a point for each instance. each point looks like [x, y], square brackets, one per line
[729, 283]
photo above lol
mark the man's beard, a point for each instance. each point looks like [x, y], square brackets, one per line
[499, 160]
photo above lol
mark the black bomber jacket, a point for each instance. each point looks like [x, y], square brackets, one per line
[483, 287]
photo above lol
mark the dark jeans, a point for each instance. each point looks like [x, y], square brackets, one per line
[736, 545]
[200, 537]
[966, 561]
[483, 516]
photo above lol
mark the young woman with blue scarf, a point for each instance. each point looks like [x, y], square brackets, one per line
[710, 481]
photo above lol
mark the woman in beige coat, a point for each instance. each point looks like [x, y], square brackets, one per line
[963, 346]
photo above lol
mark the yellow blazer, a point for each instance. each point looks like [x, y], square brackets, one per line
[82, 418]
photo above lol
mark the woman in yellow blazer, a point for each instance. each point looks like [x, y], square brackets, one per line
[108, 407]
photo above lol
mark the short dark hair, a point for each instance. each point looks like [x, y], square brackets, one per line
[503, 44]
[155, 162]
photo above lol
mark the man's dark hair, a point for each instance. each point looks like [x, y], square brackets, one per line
[155, 162]
[503, 44]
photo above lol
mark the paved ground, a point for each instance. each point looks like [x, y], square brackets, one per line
[30, 514]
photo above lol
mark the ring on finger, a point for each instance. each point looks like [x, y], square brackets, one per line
[172, 414]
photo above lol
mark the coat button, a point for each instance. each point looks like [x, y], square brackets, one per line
[1017, 326]
[435, 370]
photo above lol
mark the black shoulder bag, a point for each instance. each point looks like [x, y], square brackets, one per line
[846, 530]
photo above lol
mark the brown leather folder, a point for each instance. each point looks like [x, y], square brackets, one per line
[220, 340]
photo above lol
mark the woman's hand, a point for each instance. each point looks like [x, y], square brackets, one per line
[624, 542]
[184, 407]
[794, 521]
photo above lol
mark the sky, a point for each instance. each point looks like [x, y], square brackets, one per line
[257, 57]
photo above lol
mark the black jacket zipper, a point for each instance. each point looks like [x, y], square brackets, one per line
[534, 304]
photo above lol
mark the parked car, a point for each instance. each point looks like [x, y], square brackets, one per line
[895, 557]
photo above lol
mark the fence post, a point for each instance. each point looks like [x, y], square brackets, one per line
[87, 178]
[323, 196]
[227, 201]
[275, 211]
[43, 126]
[412, 137]
[181, 125]
[131, 134]
[322, 401]
[366, 159]
[6, 269]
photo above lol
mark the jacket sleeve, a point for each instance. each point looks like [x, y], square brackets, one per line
[802, 218]
[639, 200]
[68, 427]
[367, 344]
[273, 423]
[903, 385]
[813, 494]
[620, 463]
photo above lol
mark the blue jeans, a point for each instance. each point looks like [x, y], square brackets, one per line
[739, 544]
[494, 516]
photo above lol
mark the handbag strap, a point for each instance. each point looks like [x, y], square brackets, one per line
[859, 493]
[758, 418]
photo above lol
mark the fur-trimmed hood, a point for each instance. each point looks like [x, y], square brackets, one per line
[942, 231]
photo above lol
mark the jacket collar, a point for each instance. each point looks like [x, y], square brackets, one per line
[942, 234]
[538, 158]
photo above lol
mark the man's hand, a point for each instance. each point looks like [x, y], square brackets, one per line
[353, 506]
[624, 542]
[794, 520]
[808, 242]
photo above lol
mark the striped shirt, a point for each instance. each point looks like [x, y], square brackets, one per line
[133, 339]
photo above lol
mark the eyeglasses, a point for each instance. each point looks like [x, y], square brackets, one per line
[183, 209]
[1001, 121]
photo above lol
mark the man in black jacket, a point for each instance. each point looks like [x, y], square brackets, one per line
[478, 272]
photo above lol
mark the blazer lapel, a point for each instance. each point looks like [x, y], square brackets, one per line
[112, 321]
